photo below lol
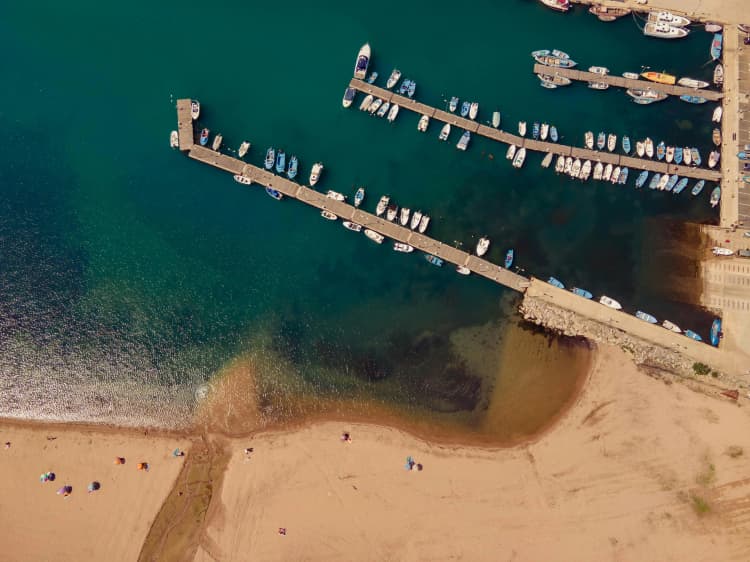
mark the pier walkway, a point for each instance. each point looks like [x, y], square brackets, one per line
[531, 144]
[627, 83]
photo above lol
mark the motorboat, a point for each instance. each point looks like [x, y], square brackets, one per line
[335, 195]
[270, 158]
[615, 175]
[453, 104]
[693, 99]
[716, 44]
[463, 142]
[317, 169]
[522, 128]
[424, 121]
[544, 131]
[716, 117]
[716, 136]
[588, 139]
[374, 236]
[585, 171]
[204, 137]
[555, 62]
[535, 130]
[663, 181]
[291, 171]
[482, 246]
[195, 109]
[217, 142]
[374, 106]
[669, 155]
[382, 205]
[372, 77]
[692, 83]
[659, 77]
[352, 226]
[509, 255]
[367, 102]
[610, 302]
[718, 251]
[645, 316]
[496, 119]
[560, 164]
[743, 155]
[552, 81]
[547, 160]
[411, 89]
[678, 155]
[393, 113]
[559, 53]
[404, 216]
[641, 179]
[423, 224]
[640, 148]
[244, 180]
[463, 270]
[715, 196]
[692, 335]
[445, 132]
[611, 142]
[383, 109]
[671, 326]
[393, 78]
[681, 185]
[607, 13]
[661, 150]
[553, 133]
[698, 187]
[568, 165]
[326, 214]
[655, 179]
[348, 98]
[601, 70]
[519, 158]
[715, 332]
[416, 216]
[555, 283]
[601, 140]
[664, 31]
[363, 61]
[695, 156]
[669, 18]
[174, 139]
[465, 106]
[581, 293]
[473, 110]
[649, 145]
[391, 212]
[631, 75]
[671, 182]
[713, 27]
[608, 169]
[719, 74]
[558, 5]
[434, 260]
[647, 96]
[511, 152]
[359, 196]
[403, 248]
[598, 85]
[623, 176]
[575, 170]
[274, 193]
[404, 87]
[244, 147]
[713, 158]
[280, 161]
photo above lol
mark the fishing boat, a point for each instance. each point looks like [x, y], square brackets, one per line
[692, 83]
[695, 156]
[522, 128]
[601, 70]
[463, 270]
[509, 255]
[553, 133]
[363, 61]
[519, 158]
[669, 154]
[496, 119]
[715, 196]
[174, 139]
[568, 165]
[391, 212]
[482, 246]
[544, 131]
[645, 316]
[453, 104]
[646, 97]
[424, 121]
[664, 31]
[678, 152]
[559, 53]
[601, 140]
[335, 195]
[558, 5]
[641, 179]
[382, 205]
[359, 196]
[217, 142]
[611, 142]
[366, 103]
[552, 81]
[606, 13]
[465, 106]
[716, 44]
[434, 260]
[615, 175]
[326, 214]
[445, 132]
[661, 150]
[655, 179]
[692, 335]
[631, 75]
[195, 109]
[511, 152]
[598, 171]
[716, 332]
[659, 77]
[393, 113]
[698, 187]
[270, 158]
[681, 185]
[463, 142]
[610, 302]
[244, 147]
[649, 145]
[555, 62]
[393, 78]
[712, 27]
[547, 160]
[693, 99]
[555, 283]
[415, 218]
[374, 236]
[473, 110]
[372, 77]
[671, 182]
[713, 158]
[670, 18]
[280, 161]
[274, 193]
[671, 326]
[585, 170]
[588, 139]
[423, 224]
[640, 148]
[560, 164]
[623, 176]
[374, 106]
[404, 216]
[607, 172]
[353, 226]
[576, 168]
[663, 181]
[348, 98]
[581, 293]
[687, 156]
[535, 130]
[383, 109]
[244, 180]
[317, 169]
[204, 137]
[719, 74]
[743, 155]
[291, 171]
[719, 251]
[716, 136]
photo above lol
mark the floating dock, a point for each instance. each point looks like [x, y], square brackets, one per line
[537, 145]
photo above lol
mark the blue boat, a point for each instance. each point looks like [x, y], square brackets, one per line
[359, 196]
[465, 108]
[204, 137]
[716, 332]
[691, 334]
[671, 183]
[509, 258]
[626, 144]
[678, 155]
[434, 260]
[601, 140]
[696, 156]
[741, 155]
[404, 87]
[645, 316]
[682, 184]
[623, 176]
[280, 162]
[270, 158]
[291, 172]
[411, 89]
[275, 194]
[535, 130]
[698, 187]
[642, 177]
[715, 196]
[693, 99]
[654, 181]
[553, 133]
[582, 293]
[716, 46]
[555, 282]
[661, 150]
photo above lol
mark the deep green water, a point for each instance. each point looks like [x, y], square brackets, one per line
[128, 270]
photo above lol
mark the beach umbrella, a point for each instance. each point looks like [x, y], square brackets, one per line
[51, 476]
[65, 490]
[43, 477]
[94, 486]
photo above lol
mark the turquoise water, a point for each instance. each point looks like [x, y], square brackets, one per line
[131, 274]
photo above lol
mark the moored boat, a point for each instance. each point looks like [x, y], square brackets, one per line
[317, 169]
[195, 109]
[359, 196]
[553, 133]
[712, 27]
[274, 193]
[424, 121]
[641, 179]
[588, 140]
[698, 187]
[693, 99]
[601, 140]
[522, 128]
[661, 150]
[375, 106]
[560, 164]
[463, 270]
[372, 77]
[671, 182]
[585, 171]
[576, 168]
[715, 196]
[660, 77]
[649, 146]
[423, 224]
[646, 96]
[482, 246]
[555, 62]
[348, 98]
[670, 154]
[640, 148]
[411, 89]
[391, 212]
[645, 316]
[511, 152]
[692, 335]
[655, 179]
[393, 78]
[611, 142]
[244, 147]
[547, 160]
[335, 195]
[607, 13]
[326, 214]
[695, 156]
[715, 332]
[678, 151]
[465, 106]
[473, 110]
[692, 83]
[174, 139]
[363, 61]
[598, 171]
[463, 142]
[687, 156]
[681, 185]
[716, 44]
[393, 113]
[280, 161]
[671, 326]
[434, 260]
[631, 75]
[610, 302]
[509, 256]
[291, 171]
[519, 158]
[623, 176]
[496, 119]
[352, 226]
[382, 205]
[719, 74]
[445, 132]
[366, 103]
[453, 104]
[552, 81]
[713, 158]
[664, 31]
[663, 181]
[416, 216]
[608, 169]
[558, 5]
[544, 131]
[716, 136]
[204, 137]
[581, 293]
[383, 109]
[217, 141]
[270, 158]
[374, 236]
[669, 18]
[535, 130]
[244, 180]
[615, 175]
[555, 283]
[404, 216]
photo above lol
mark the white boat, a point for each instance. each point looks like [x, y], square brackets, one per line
[519, 158]
[719, 74]
[547, 160]
[558, 5]
[640, 148]
[453, 104]
[496, 119]
[326, 214]
[664, 31]
[404, 218]
[522, 128]
[671, 326]
[393, 113]
[611, 142]
[244, 180]
[374, 236]
[217, 142]
[576, 168]
[588, 140]
[383, 109]
[195, 109]
[391, 212]
[511, 152]
[544, 131]
[174, 139]
[601, 70]
[663, 181]
[716, 117]
[713, 158]
[585, 171]
[482, 246]
[615, 175]
[670, 154]
[445, 132]
[598, 85]
[424, 121]
[366, 103]
[352, 226]
[611, 303]
[670, 19]
[349, 95]
[382, 205]
[244, 147]
[415, 218]
[401, 247]
[568, 165]
[598, 171]
[692, 83]
[374, 106]
[713, 27]
[607, 172]
[649, 145]
[473, 110]
[687, 157]
[393, 78]
[463, 270]
[363, 61]
[359, 196]
[463, 142]
[424, 223]
[717, 251]
[631, 75]
[317, 169]
[560, 164]
[335, 195]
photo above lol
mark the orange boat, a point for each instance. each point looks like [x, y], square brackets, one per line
[660, 77]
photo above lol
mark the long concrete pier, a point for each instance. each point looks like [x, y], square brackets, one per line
[343, 210]
[531, 144]
[627, 83]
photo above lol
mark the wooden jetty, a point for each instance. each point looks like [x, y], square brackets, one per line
[474, 127]
[627, 83]
[343, 210]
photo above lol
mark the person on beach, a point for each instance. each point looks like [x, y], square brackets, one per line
[346, 438]
[282, 530]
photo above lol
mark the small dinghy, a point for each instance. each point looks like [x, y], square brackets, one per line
[509, 256]
[244, 180]
[434, 260]
[496, 119]
[581, 293]
[352, 226]
[692, 335]
[403, 248]
[374, 236]
[555, 283]
[482, 246]
[328, 215]
[671, 326]
[645, 316]
[610, 302]
[698, 187]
